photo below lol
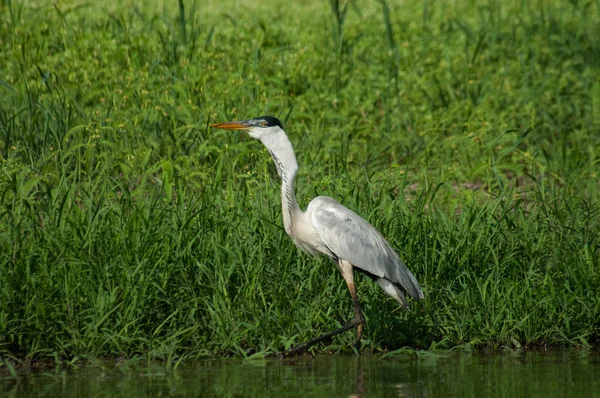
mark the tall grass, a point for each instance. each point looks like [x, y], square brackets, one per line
[129, 228]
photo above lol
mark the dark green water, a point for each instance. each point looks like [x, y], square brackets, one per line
[561, 374]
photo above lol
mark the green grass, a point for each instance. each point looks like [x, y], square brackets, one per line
[467, 132]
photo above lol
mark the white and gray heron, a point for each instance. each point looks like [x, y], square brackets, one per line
[327, 227]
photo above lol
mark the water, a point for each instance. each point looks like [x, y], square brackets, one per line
[561, 374]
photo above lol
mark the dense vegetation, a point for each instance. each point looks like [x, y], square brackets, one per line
[468, 133]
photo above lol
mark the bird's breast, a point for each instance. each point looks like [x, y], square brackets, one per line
[306, 237]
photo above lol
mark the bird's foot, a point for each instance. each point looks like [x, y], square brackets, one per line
[359, 322]
[359, 319]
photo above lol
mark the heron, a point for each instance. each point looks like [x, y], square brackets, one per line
[329, 228]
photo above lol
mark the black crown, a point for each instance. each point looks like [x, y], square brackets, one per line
[271, 121]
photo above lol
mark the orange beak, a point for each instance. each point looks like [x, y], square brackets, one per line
[232, 126]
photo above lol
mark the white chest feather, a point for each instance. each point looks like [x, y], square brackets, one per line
[306, 237]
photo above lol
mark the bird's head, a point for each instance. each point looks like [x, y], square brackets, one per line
[260, 128]
[269, 131]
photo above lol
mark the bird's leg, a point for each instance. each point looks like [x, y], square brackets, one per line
[358, 321]
[302, 348]
[359, 318]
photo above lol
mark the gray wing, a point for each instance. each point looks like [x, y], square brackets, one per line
[352, 238]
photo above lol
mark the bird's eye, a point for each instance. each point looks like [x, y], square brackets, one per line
[263, 123]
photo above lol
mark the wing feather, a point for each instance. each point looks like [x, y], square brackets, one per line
[352, 238]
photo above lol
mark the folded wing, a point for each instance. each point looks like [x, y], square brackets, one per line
[352, 238]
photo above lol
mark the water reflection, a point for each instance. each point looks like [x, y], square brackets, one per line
[565, 373]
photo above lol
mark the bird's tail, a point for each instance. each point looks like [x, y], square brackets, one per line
[393, 290]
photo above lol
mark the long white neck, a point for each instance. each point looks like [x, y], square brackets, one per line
[283, 155]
